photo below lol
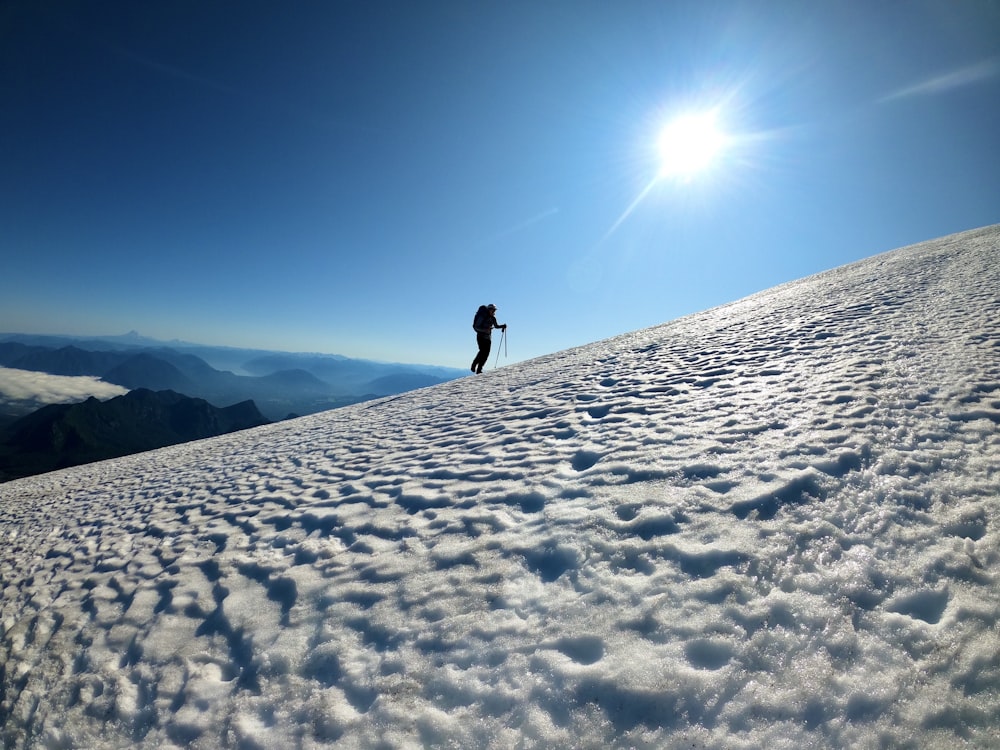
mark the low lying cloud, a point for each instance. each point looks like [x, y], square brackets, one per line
[42, 388]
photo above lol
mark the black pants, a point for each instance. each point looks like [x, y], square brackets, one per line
[484, 342]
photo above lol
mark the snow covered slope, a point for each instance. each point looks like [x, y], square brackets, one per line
[773, 524]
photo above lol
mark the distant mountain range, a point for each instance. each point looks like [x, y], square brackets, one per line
[177, 392]
[62, 435]
[281, 384]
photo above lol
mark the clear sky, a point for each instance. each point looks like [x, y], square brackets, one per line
[358, 177]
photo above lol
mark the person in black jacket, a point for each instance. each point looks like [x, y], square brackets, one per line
[484, 323]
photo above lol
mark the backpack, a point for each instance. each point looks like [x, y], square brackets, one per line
[482, 319]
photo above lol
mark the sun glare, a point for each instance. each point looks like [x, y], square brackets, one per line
[690, 144]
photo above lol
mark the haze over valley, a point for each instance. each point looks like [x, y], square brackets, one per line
[187, 398]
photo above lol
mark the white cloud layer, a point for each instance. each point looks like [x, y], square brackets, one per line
[42, 388]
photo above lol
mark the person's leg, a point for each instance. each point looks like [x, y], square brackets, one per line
[484, 353]
[477, 360]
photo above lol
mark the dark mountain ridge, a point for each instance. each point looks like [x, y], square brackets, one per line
[63, 435]
[147, 371]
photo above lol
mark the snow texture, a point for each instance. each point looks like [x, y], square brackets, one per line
[772, 524]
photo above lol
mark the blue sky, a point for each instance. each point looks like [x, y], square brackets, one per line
[357, 177]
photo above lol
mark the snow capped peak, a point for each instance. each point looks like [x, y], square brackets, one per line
[772, 524]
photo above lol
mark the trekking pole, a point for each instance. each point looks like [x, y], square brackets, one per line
[503, 340]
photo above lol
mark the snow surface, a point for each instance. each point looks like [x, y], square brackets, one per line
[773, 524]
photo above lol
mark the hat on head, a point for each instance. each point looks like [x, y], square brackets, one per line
[491, 306]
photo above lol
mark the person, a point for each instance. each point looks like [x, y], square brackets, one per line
[484, 323]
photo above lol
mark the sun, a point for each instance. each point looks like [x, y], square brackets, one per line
[690, 144]
[694, 144]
